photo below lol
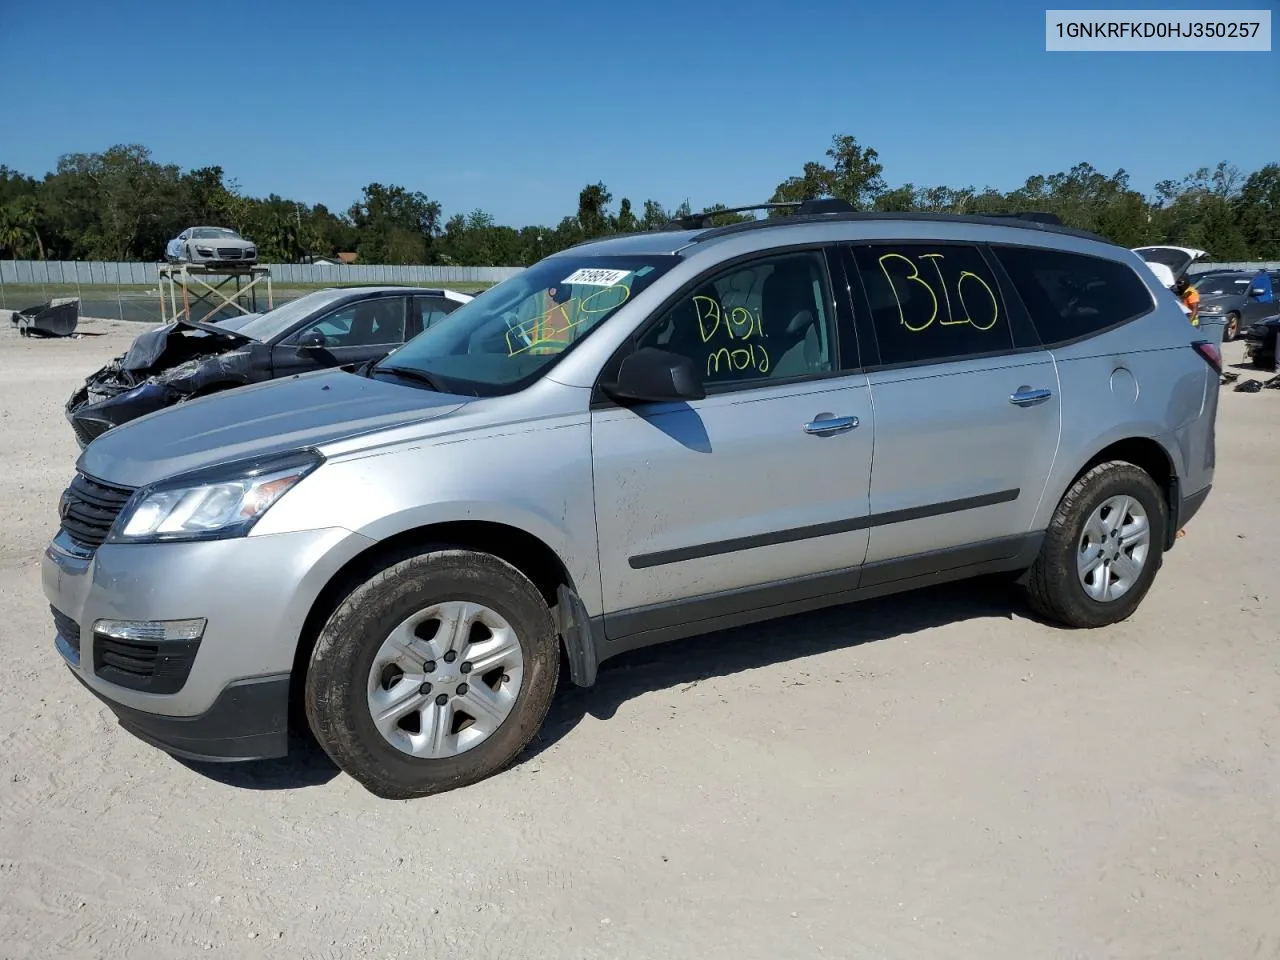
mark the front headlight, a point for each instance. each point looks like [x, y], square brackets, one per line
[205, 251]
[1211, 308]
[211, 504]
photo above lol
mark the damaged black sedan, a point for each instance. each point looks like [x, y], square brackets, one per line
[186, 359]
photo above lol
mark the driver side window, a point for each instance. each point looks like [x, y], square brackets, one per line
[366, 323]
[766, 320]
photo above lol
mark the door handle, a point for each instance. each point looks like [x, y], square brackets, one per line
[1025, 396]
[824, 423]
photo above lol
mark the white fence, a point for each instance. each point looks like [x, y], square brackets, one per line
[130, 291]
[97, 273]
[125, 274]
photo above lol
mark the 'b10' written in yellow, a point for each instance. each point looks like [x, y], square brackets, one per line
[975, 302]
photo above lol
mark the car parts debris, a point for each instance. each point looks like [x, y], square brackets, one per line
[56, 318]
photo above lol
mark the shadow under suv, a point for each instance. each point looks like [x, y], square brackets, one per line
[634, 441]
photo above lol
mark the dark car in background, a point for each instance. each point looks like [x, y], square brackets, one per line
[1242, 297]
[1260, 343]
[186, 359]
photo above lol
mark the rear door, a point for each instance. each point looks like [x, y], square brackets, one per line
[356, 331]
[761, 482]
[966, 405]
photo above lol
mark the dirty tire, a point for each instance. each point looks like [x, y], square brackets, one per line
[1232, 328]
[1054, 588]
[336, 681]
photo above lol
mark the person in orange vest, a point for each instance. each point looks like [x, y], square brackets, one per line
[1191, 297]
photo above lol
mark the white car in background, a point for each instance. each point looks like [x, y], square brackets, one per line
[210, 245]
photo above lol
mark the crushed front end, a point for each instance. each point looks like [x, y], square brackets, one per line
[164, 366]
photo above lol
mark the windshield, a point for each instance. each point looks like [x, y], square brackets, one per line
[213, 233]
[269, 325]
[1222, 284]
[511, 334]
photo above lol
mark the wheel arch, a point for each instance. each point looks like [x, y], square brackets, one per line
[1149, 455]
[524, 551]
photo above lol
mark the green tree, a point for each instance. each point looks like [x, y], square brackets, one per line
[123, 204]
[855, 174]
[627, 222]
[395, 225]
[654, 215]
[1257, 209]
[593, 212]
[20, 224]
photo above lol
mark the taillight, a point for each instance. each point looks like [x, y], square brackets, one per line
[1210, 352]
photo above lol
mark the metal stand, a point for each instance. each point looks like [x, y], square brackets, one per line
[189, 277]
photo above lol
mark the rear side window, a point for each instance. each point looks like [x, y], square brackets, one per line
[428, 311]
[932, 302]
[1070, 295]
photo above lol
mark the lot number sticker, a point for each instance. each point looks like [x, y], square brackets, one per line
[596, 277]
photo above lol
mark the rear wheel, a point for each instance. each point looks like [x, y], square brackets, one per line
[1102, 549]
[433, 674]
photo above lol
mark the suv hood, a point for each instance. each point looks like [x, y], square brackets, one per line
[265, 418]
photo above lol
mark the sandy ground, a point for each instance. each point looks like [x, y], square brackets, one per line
[937, 776]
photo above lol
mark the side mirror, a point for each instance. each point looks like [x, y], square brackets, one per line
[656, 376]
[311, 340]
[1257, 292]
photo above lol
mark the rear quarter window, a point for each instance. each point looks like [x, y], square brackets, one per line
[1071, 295]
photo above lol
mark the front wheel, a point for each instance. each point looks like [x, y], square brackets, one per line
[1232, 328]
[1102, 549]
[433, 674]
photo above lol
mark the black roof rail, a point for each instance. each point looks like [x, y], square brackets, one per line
[1032, 215]
[1046, 222]
[698, 221]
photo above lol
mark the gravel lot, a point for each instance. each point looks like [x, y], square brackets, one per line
[932, 776]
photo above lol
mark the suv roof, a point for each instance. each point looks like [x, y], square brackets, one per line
[696, 228]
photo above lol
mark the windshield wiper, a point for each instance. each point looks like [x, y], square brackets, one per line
[409, 373]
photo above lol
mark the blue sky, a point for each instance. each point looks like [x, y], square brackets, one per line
[513, 107]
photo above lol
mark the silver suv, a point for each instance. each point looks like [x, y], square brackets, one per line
[634, 441]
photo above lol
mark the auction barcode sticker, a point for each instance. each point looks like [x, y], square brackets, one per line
[1158, 30]
[596, 277]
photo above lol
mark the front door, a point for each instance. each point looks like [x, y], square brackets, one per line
[353, 333]
[764, 480]
[966, 427]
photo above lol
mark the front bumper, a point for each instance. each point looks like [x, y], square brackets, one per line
[255, 594]
[249, 720]
[92, 420]
[224, 260]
